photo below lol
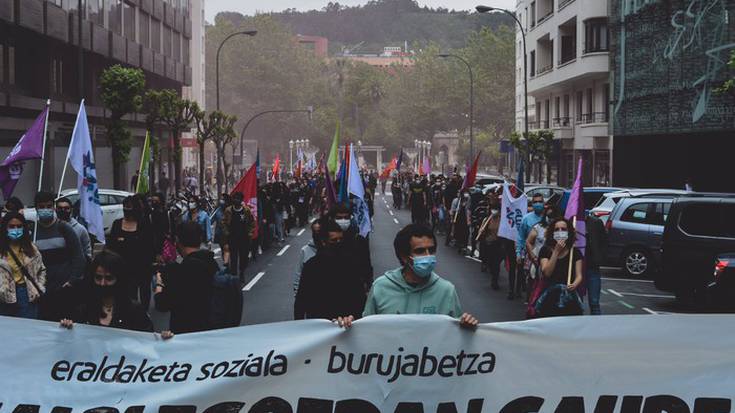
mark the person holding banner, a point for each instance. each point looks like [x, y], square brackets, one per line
[414, 288]
[561, 265]
[22, 273]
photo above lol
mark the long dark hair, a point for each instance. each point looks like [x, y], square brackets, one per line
[115, 265]
[551, 242]
[25, 242]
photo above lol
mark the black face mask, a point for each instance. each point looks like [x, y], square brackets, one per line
[130, 214]
[63, 214]
[103, 291]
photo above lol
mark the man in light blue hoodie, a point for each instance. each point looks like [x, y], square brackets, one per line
[414, 288]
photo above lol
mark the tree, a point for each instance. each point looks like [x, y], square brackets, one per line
[530, 149]
[729, 85]
[177, 114]
[121, 90]
[209, 127]
[224, 133]
[151, 108]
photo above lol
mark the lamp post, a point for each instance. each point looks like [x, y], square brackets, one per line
[309, 110]
[472, 99]
[246, 33]
[487, 9]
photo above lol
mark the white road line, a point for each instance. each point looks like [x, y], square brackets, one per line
[301, 232]
[649, 311]
[390, 212]
[473, 258]
[649, 295]
[626, 280]
[283, 250]
[312, 221]
[395, 220]
[253, 281]
[615, 293]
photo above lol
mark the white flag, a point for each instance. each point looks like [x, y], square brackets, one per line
[512, 211]
[81, 158]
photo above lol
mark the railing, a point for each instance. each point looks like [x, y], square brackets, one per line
[545, 69]
[566, 59]
[595, 117]
[546, 17]
[561, 122]
[539, 124]
[563, 3]
[597, 49]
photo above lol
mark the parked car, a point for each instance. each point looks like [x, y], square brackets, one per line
[591, 196]
[635, 229]
[699, 228]
[482, 180]
[605, 205]
[110, 200]
[721, 291]
[546, 190]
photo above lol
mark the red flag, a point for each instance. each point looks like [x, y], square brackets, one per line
[276, 167]
[469, 180]
[248, 187]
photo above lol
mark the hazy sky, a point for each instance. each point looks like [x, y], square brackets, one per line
[212, 7]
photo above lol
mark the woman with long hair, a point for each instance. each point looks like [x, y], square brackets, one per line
[22, 273]
[560, 297]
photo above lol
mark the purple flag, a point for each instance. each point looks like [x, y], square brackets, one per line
[575, 208]
[30, 146]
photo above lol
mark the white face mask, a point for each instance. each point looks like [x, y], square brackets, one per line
[561, 235]
[494, 211]
[192, 205]
[343, 223]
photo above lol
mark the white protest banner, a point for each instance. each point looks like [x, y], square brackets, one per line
[512, 211]
[396, 364]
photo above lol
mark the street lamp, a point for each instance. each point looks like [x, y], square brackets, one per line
[472, 99]
[487, 9]
[246, 33]
[309, 110]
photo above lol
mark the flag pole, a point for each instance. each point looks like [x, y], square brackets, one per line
[571, 254]
[43, 147]
[68, 151]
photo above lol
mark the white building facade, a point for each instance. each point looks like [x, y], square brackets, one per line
[568, 82]
[196, 92]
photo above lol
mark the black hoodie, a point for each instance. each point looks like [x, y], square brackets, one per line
[187, 292]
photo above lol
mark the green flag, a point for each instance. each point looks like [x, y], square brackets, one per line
[333, 159]
[145, 160]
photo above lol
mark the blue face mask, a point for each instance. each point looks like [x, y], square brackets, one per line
[46, 214]
[424, 266]
[15, 233]
[538, 207]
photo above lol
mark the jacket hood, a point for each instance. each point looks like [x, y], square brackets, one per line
[396, 277]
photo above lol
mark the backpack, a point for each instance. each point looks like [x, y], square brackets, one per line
[227, 303]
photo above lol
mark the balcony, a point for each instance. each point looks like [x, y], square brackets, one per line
[596, 50]
[563, 3]
[563, 122]
[595, 117]
[542, 70]
[539, 124]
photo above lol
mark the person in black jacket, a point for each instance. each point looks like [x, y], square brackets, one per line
[185, 289]
[595, 257]
[329, 287]
[356, 245]
[102, 299]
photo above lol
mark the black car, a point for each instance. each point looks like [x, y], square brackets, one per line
[721, 291]
[699, 228]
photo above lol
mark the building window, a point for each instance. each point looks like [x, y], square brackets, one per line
[533, 14]
[606, 101]
[532, 63]
[129, 21]
[579, 106]
[167, 41]
[589, 101]
[11, 65]
[177, 47]
[596, 35]
[95, 11]
[186, 52]
[114, 16]
[144, 34]
[557, 107]
[547, 112]
[156, 35]
[57, 76]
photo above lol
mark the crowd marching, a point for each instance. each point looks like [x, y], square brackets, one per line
[160, 255]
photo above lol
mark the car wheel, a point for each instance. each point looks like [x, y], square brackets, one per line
[637, 262]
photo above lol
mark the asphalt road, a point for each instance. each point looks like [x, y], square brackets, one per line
[269, 296]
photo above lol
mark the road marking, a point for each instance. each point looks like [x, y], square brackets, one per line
[312, 221]
[301, 232]
[473, 258]
[627, 280]
[390, 212]
[649, 311]
[253, 281]
[626, 304]
[395, 220]
[283, 250]
[649, 295]
[604, 292]
[615, 293]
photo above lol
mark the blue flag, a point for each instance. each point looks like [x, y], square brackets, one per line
[356, 187]
[81, 158]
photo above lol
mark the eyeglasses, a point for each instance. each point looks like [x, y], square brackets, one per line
[105, 277]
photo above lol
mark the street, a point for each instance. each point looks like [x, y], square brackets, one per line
[268, 291]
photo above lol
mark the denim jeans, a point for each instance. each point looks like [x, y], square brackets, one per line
[594, 285]
[22, 307]
[279, 230]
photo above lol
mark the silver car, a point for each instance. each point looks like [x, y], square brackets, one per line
[111, 201]
[607, 203]
[635, 231]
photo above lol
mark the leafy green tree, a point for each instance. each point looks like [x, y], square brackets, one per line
[177, 114]
[121, 90]
[729, 85]
[223, 136]
[151, 108]
[207, 125]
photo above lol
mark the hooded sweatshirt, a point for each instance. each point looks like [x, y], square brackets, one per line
[391, 294]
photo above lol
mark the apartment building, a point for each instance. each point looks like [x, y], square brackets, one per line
[568, 82]
[39, 59]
